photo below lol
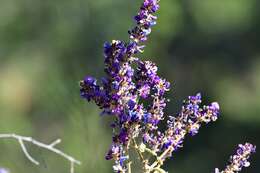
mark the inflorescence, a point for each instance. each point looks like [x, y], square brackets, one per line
[124, 92]
[240, 159]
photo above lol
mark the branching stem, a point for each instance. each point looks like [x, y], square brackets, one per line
[50, 147]
[138, 151]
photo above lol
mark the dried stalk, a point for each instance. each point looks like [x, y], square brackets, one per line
[50, 147]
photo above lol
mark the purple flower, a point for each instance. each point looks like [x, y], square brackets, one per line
[133, 93]
[151, 5]
[114, 152]
[240, 159]
[188, 121]
[145, 20]
[144, 90]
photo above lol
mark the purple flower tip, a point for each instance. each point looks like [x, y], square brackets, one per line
[90, 80]
[215, 105]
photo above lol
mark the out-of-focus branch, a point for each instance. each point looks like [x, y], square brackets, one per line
[50, 147]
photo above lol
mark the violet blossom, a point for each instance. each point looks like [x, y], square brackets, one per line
[131, 82]
[240, 159]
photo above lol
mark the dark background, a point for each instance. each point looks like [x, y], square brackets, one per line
[46, 47]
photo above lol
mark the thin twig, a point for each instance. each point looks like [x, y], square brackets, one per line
[159, 170]
[50, 147]
[137, 150]
[26, 152]
[129, 169]
[55, 142]
[160, 159]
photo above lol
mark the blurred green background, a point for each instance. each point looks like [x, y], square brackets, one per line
[46, 47]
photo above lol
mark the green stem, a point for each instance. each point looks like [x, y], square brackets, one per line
[160, 170]
[138, 151]
[129, 167]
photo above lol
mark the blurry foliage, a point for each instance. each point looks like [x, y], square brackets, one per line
[46, 47]
[223, 15]
[240, 95]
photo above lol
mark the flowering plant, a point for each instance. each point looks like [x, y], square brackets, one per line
[134, 94]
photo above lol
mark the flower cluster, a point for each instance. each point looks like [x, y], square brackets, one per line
[188, 121]
[122, 92]
[240, 159]
[145, 19]
[134, 94]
